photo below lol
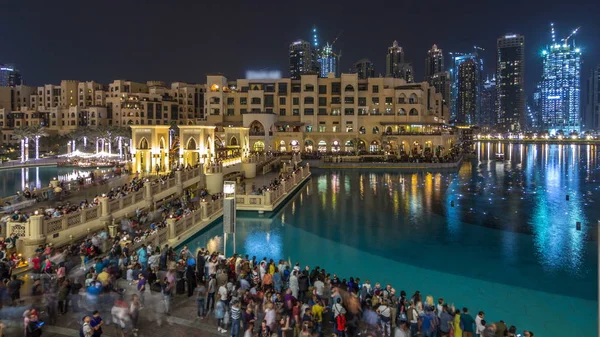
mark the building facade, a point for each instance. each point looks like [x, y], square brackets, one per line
[487, 118]
[9, 76]
[434, 63]
[466, 87]
[363, 68]
[510, 83]
[330, 114]
[561, 88]
[72, 104]
[592, 107]
[329, 61]
[303, 59]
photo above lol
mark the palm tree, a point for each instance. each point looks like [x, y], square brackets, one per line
[22, 134]
[36, 132]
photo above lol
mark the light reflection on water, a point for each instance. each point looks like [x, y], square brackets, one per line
[17, 179]
[498, 224]
[512, 214]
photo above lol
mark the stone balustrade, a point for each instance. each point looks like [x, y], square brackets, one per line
[63, 230]
[178, 230]
[272, 197]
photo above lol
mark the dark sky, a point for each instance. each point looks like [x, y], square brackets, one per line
[185, 40]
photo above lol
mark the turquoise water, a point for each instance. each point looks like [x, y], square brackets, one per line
[497, 236]
[16, 179]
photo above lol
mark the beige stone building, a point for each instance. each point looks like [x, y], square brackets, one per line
[331, 114]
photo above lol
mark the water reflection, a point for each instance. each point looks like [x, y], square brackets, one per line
[509, 214]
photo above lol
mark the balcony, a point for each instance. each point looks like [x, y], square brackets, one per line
[260, 112]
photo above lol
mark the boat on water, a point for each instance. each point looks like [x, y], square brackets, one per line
[499, 156]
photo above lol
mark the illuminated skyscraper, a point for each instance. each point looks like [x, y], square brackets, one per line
[395, 65]
[466, 72]
[561, 86]
[302, 59]
[487, 118]
[434, 62]
[394, 60]
[510, 81]
[9, 76]
[364, 69]
[592, 112]
[328, 61]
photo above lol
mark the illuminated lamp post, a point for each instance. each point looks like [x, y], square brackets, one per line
[228, 213]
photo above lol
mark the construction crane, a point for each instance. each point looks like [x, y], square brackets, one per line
[565, 40]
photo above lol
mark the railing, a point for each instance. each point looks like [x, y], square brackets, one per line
[272, 196]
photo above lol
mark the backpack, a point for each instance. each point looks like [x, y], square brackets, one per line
[411, 314]
[81, 334]
[341, 322]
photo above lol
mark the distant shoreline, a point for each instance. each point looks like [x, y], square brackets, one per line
[31, 163]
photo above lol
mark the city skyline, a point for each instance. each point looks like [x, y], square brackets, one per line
[136, 54]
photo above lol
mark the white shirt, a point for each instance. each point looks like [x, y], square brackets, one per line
[319, 286]
[415, 315]
[478, 326]
[223, 293]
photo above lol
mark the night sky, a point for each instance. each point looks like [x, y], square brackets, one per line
[185, 40]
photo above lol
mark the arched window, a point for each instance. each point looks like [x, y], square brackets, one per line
[376, 130]
[388, 130]
[233, 141]
[413, 112]
[401, 112]
[413, 99]
[362, 130]
[259, 146]
[191, 144]
[335, 146]
[322, 146]
[401, 99]
[308, 145]
[349, 88]
[257, 129]
[374, 147]
[144, 144]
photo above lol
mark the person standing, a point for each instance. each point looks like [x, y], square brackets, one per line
[134, 312]
[141, 287]
[220, 311]
[63, 294]
[236, 315]
[167, 291]
[467, 322]
[212, 289]
[86, 328]
[96, 324]
[190, 276]
[201, 299]
[479, 326]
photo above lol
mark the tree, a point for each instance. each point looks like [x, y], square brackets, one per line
[22, 134]
[36, 132]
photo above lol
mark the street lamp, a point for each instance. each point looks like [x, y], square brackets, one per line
[228, 213]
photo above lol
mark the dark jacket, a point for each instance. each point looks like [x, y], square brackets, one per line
[303, 282]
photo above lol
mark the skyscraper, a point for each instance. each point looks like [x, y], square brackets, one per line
[592, 109]
[467, 101]
[561, 86]
[328, 61]
[394, 60]
[434, 62]
[301, 59]
[441, 82]
[364, 68]
[9, 76]
[466, 87]
[510, 82]
[487, 118]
